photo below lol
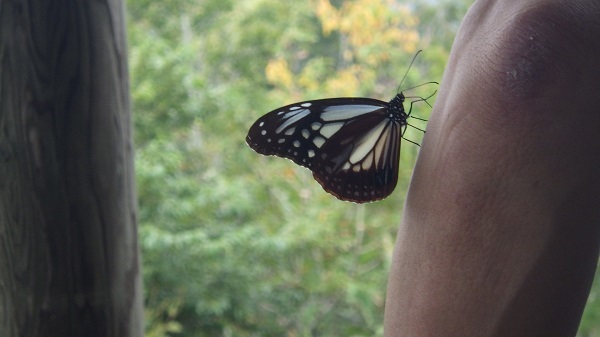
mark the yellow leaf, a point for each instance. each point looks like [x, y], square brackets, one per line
[329, 16]
[278, 73]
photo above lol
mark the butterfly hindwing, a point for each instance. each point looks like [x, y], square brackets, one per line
[351, 145]
[360, 163]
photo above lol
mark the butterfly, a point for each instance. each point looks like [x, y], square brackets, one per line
[351, 144]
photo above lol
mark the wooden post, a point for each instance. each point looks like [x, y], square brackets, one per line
[69, 258]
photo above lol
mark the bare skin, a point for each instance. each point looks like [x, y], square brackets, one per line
[501, 229]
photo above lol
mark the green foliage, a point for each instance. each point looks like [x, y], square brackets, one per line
[236, 244]
[590, 322]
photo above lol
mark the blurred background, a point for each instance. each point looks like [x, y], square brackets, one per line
[237, 244]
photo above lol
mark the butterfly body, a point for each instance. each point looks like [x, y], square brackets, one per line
[352, 145]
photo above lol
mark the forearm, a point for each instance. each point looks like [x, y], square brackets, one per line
[501, 226]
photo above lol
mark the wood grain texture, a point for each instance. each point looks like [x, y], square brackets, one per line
[69, 261]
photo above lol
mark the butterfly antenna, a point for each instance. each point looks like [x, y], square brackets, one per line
[420, 85]
[409, 66]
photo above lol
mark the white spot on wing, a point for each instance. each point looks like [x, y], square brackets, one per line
[290, 131]
[263, 132]
[305, 133]
[339, 112]
[381, 149]
[329, 129]
[261, 124]
[366, 164]
[391, 144]
[388, 142]
[291, 114]
[367, 143]
[296, 143]
[311, 153]
[316, 126]
[296, 116]
[306, 105]
[319, 141]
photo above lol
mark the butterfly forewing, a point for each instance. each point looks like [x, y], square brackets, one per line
[298, 131]
[352, 145]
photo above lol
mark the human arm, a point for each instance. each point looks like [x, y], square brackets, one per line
[501, 226]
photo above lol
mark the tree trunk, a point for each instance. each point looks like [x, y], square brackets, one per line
[69, 260]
